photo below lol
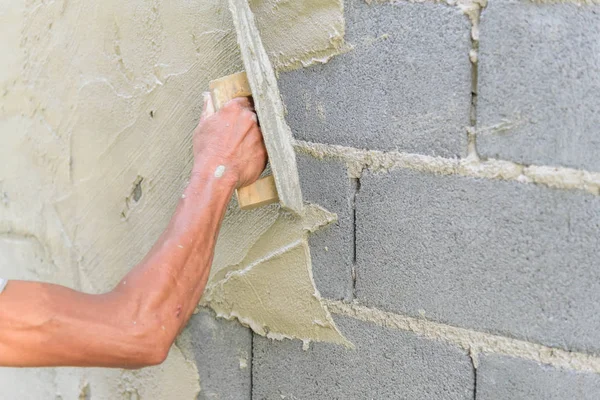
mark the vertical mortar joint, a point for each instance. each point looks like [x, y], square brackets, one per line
[475, 18]
[475, 363]
[356, 189]
[251, 363]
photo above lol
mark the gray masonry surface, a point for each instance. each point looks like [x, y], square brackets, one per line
[222, 351]
[500, 377]
[539, 77]
[386, 364]
[513, 259]
[504, 257]
[406, 83]
[326, 182]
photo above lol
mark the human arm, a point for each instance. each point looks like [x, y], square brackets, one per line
[136, 323]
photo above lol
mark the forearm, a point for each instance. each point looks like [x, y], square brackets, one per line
[135, 324]
[165, 288]
[48, 325]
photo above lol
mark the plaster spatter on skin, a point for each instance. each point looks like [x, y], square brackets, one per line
[219, 171]
[91, 97]
[265, 278]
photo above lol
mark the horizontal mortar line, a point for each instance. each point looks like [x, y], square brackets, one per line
[576, 2]
[473, 342]
[385, 161]
[483, 3]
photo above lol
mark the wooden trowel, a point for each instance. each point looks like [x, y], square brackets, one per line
[259, 81]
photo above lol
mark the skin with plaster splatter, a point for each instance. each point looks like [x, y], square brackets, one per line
[119, 328]
[219, 171]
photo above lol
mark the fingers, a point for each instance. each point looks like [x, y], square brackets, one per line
[208, 108]
[240, 112]
[258, 144]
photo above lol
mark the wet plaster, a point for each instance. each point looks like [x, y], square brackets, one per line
[310, 31]
[264, 277]
[98, 102]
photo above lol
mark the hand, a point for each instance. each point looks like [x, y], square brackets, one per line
[230, 138]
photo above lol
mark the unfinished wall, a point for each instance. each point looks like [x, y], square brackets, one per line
[463, 166]
[458, 152]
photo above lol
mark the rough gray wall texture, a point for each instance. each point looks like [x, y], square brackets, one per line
[326, 182]
[539, 77]
[467, 258]
[386, 364]
[406, 83]
[222, 351]
[500, 377]
[496, 256]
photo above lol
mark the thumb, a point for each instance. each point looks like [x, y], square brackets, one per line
[209, 108]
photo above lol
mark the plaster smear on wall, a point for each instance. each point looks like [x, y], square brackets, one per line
[300, 33]
[265, 279]
[176, 376]
[97, 104]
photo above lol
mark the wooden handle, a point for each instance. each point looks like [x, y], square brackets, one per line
[263, 191]
[229, 87]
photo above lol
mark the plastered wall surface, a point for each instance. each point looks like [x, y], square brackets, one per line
[97, 105]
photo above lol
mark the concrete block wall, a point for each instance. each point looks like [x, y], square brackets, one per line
[539, 78]
[457, 142]
[222, 352]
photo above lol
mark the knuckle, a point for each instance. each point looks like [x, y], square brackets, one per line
[232, 105]
[249, 115]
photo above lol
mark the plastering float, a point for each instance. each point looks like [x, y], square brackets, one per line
[259, 81]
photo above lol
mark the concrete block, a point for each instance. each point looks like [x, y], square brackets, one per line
[500, 377]
[386, 364]
[405, 85]
[503, 257]
[222, 351]
[539, 83]
[325, 182]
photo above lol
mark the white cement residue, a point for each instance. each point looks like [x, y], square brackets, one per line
[378, 161]
[472, 341]
[219, 171]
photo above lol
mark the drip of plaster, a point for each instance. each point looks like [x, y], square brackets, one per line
[97, 105]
